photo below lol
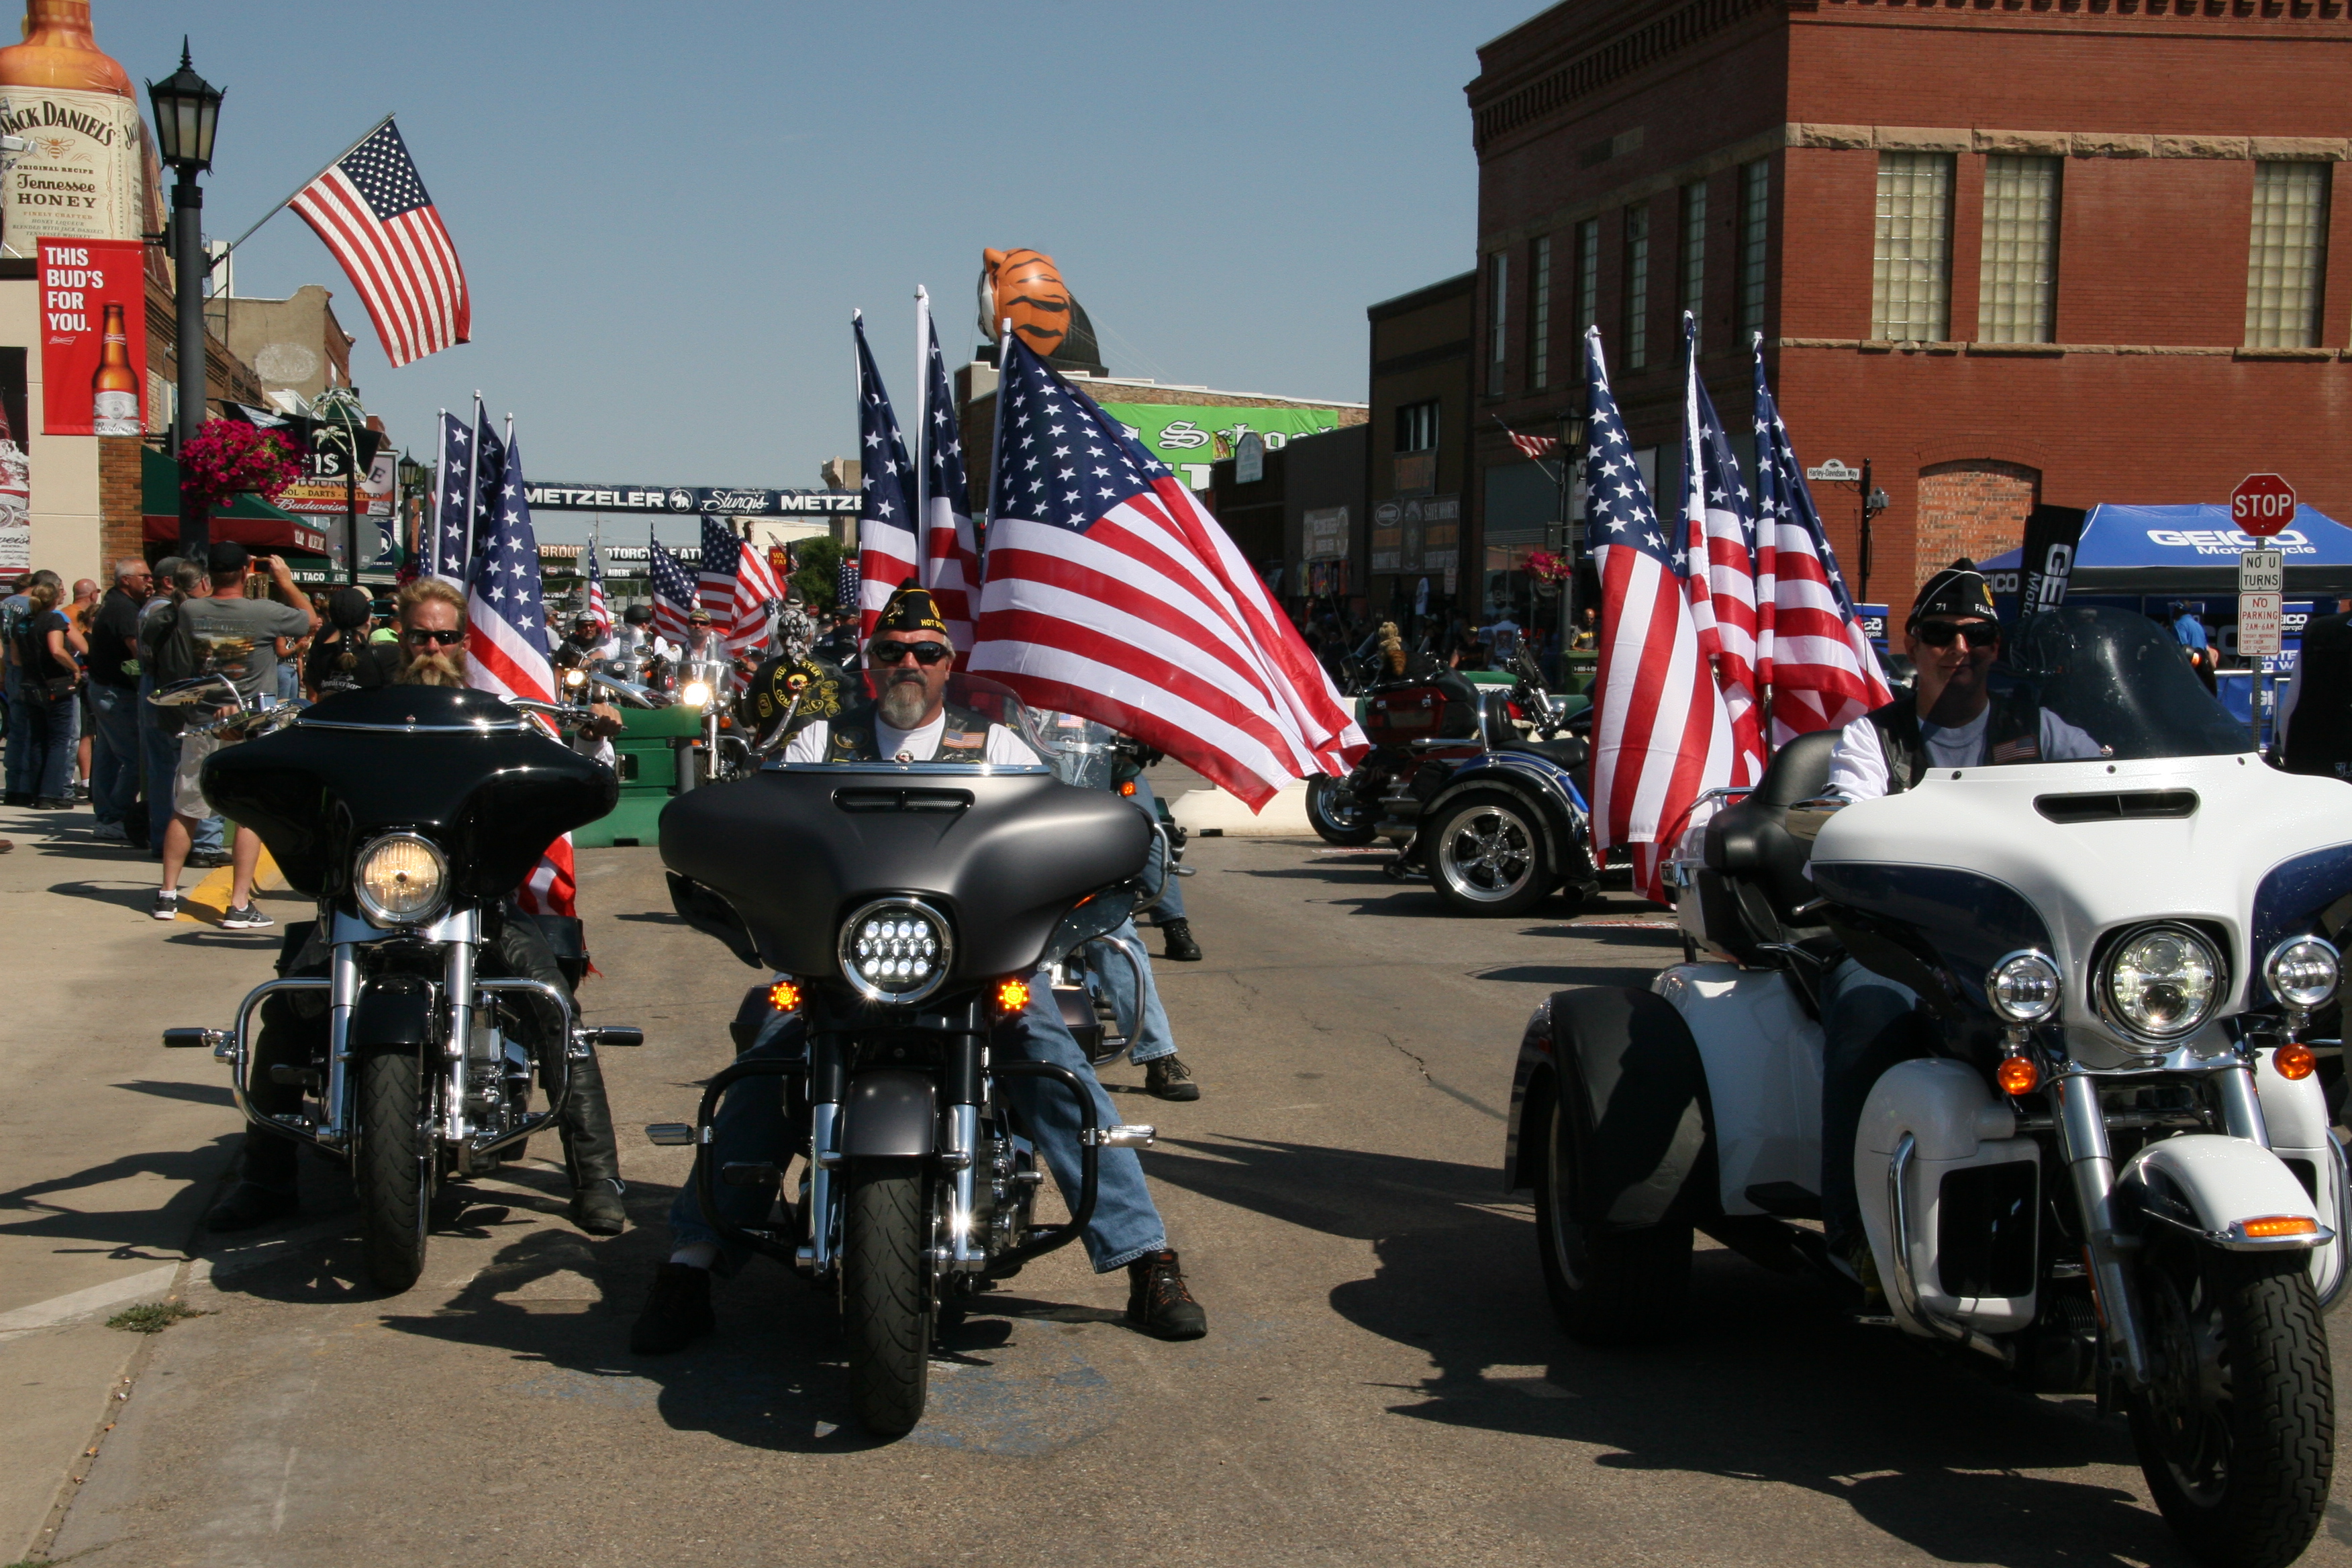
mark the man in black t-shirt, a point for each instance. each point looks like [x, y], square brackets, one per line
[114, 702]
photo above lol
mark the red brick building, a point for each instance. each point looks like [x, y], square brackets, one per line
[2072, 250]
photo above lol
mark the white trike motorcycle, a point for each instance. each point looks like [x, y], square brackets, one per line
[2110, 1168]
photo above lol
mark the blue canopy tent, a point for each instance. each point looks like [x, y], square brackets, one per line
[2191, 551]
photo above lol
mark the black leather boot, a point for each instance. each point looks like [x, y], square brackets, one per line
[1181, 947]
[591, 1153]
[1158, 1301]
[268, 1190]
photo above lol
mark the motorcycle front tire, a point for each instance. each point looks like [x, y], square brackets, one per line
[392, 1172]
[2243, 1481]
[885, 1305]
[1606, 1286]
[1350, 826]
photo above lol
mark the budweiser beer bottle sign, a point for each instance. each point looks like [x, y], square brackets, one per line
[80, 177]
[114, 389]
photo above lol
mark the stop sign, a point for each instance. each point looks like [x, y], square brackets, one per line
[2261, 505]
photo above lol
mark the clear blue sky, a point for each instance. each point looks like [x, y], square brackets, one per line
[668, 211]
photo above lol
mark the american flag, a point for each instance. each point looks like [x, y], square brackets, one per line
[1660, 735]
[950, 547]
[845, 583]
[489, 472]
[736, 585]
[598, 606]
[371, 211]
[1536, 448]
[442, 549]
[887, 548]
[1719, 529]
[673, 594]
[1112, 593]
[507, 653]
[1812, 651]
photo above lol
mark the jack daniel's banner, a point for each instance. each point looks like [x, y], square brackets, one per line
[2053, 534]
[78, 177]
[687, 501]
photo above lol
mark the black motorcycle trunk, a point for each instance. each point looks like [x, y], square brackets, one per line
[445, 763]
[1005, 856]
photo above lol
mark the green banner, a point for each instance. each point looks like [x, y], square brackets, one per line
[1189, 437]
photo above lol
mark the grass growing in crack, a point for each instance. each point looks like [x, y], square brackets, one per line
[151, 1317]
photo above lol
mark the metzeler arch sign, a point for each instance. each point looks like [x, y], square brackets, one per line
[689, 500]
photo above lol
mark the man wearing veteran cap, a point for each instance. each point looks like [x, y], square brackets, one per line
[1952, 719]
[910, 719]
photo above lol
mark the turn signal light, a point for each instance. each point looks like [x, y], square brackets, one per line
[2018, 1074]
[1011, 996]
[2295, 1061]
[784, 996]
[1128, 788]
[2280, 1225]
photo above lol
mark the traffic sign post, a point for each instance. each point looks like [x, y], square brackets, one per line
[2261, 505]
[2262, 595]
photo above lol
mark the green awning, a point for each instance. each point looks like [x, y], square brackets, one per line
[249, 520]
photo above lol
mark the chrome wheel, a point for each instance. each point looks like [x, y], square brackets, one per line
[1486, 854]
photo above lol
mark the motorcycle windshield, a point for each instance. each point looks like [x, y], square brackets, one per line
[2093, 683]
[891, 720]
[1078, 749]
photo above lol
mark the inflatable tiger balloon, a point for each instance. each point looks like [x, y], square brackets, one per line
[1025, 286]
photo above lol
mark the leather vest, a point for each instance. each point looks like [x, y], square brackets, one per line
[965, 738]
[2012, 734]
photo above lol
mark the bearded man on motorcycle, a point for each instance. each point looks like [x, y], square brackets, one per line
[1950, 719]
[911, 720]
[431, 620]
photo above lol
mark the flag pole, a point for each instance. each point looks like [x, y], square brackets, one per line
[922, 519]
[298, 190]
[472, 492]
[996, 433]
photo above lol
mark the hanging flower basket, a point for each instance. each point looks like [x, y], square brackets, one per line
[1544, 566]
[227, 459]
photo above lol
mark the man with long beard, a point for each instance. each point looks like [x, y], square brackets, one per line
[431, 617]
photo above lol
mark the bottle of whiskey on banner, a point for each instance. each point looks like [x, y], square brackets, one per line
[81, 177]
[114, 389]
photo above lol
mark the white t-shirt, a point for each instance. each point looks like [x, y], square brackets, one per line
[1005, 748]
[1858, 766]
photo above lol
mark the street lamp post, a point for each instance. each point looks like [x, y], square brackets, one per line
[413, 479]
[187, 112]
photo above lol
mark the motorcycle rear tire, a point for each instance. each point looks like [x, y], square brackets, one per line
[393, 1170]
[1350, 828]
[2244, 1484]
[1606, 1286]
[1487, 856]
[886, 1299]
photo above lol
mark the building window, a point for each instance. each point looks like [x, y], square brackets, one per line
[2019, 285]
[1637, 288]
[1540, 318]
[1498, 295]
[1416, 426]
[1588, 275]
[1755, 210]
[2287, 256]
[1694, 251]
[1911, 260]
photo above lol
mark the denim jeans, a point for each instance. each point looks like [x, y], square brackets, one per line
[20, 736]
[160, 751]
[114, 750]
[752, 1125]
[48, 742]
[1170, 907]
[1868, 1024]
[1150, 1035]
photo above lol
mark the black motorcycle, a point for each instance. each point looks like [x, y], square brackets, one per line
[412, 814]
[904, 908]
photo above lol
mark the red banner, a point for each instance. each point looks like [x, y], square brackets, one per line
[79, 277]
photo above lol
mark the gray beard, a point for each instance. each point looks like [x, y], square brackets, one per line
[902, 704]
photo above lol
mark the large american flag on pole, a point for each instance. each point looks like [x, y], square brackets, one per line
[506, 653]
[483, 482]
[951, 546]
[1720, 532]
[888, 551]
[674, 593]
[1660, 735]
[1112, 593]
[442, 545]
[1813, 650]
[599, 608]
[736, 585]
[371, 209]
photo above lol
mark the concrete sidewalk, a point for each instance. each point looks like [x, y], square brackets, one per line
[109, 1146]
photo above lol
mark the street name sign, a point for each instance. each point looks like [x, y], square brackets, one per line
[1834, 469]
[2261, 505]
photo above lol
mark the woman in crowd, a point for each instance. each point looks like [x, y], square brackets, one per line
[47, 654]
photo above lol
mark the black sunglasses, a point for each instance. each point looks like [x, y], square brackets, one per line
[924, 653]
[420, 635]
[1944, 633]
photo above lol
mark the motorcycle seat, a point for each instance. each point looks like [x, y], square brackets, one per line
[1569, 750]
[1750, 839]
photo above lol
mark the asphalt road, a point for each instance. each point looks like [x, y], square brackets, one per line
[1382, 1382]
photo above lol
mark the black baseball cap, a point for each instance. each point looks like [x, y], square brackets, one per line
[227, 557]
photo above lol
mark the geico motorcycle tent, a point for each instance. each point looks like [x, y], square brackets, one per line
[2192, 550]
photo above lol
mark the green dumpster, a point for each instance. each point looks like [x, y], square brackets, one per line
[647, 748]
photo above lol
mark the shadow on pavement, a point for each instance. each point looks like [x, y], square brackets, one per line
[139, 898]
[44, 1208]
[194, 1093]
[1765, 1382]
[1559, 974]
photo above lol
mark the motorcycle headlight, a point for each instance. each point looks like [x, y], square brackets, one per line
[2162, 982]
[695, 694]
[2024, 988]
[401, 879]
[896, 950]
[2303, 971]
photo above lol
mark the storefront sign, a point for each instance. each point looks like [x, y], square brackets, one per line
[320, 491]
[1189, 438]
[1416, 533]
[79, 279]
[691, 500]
[1249, 458]
[1327, 533]
[79, 178]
